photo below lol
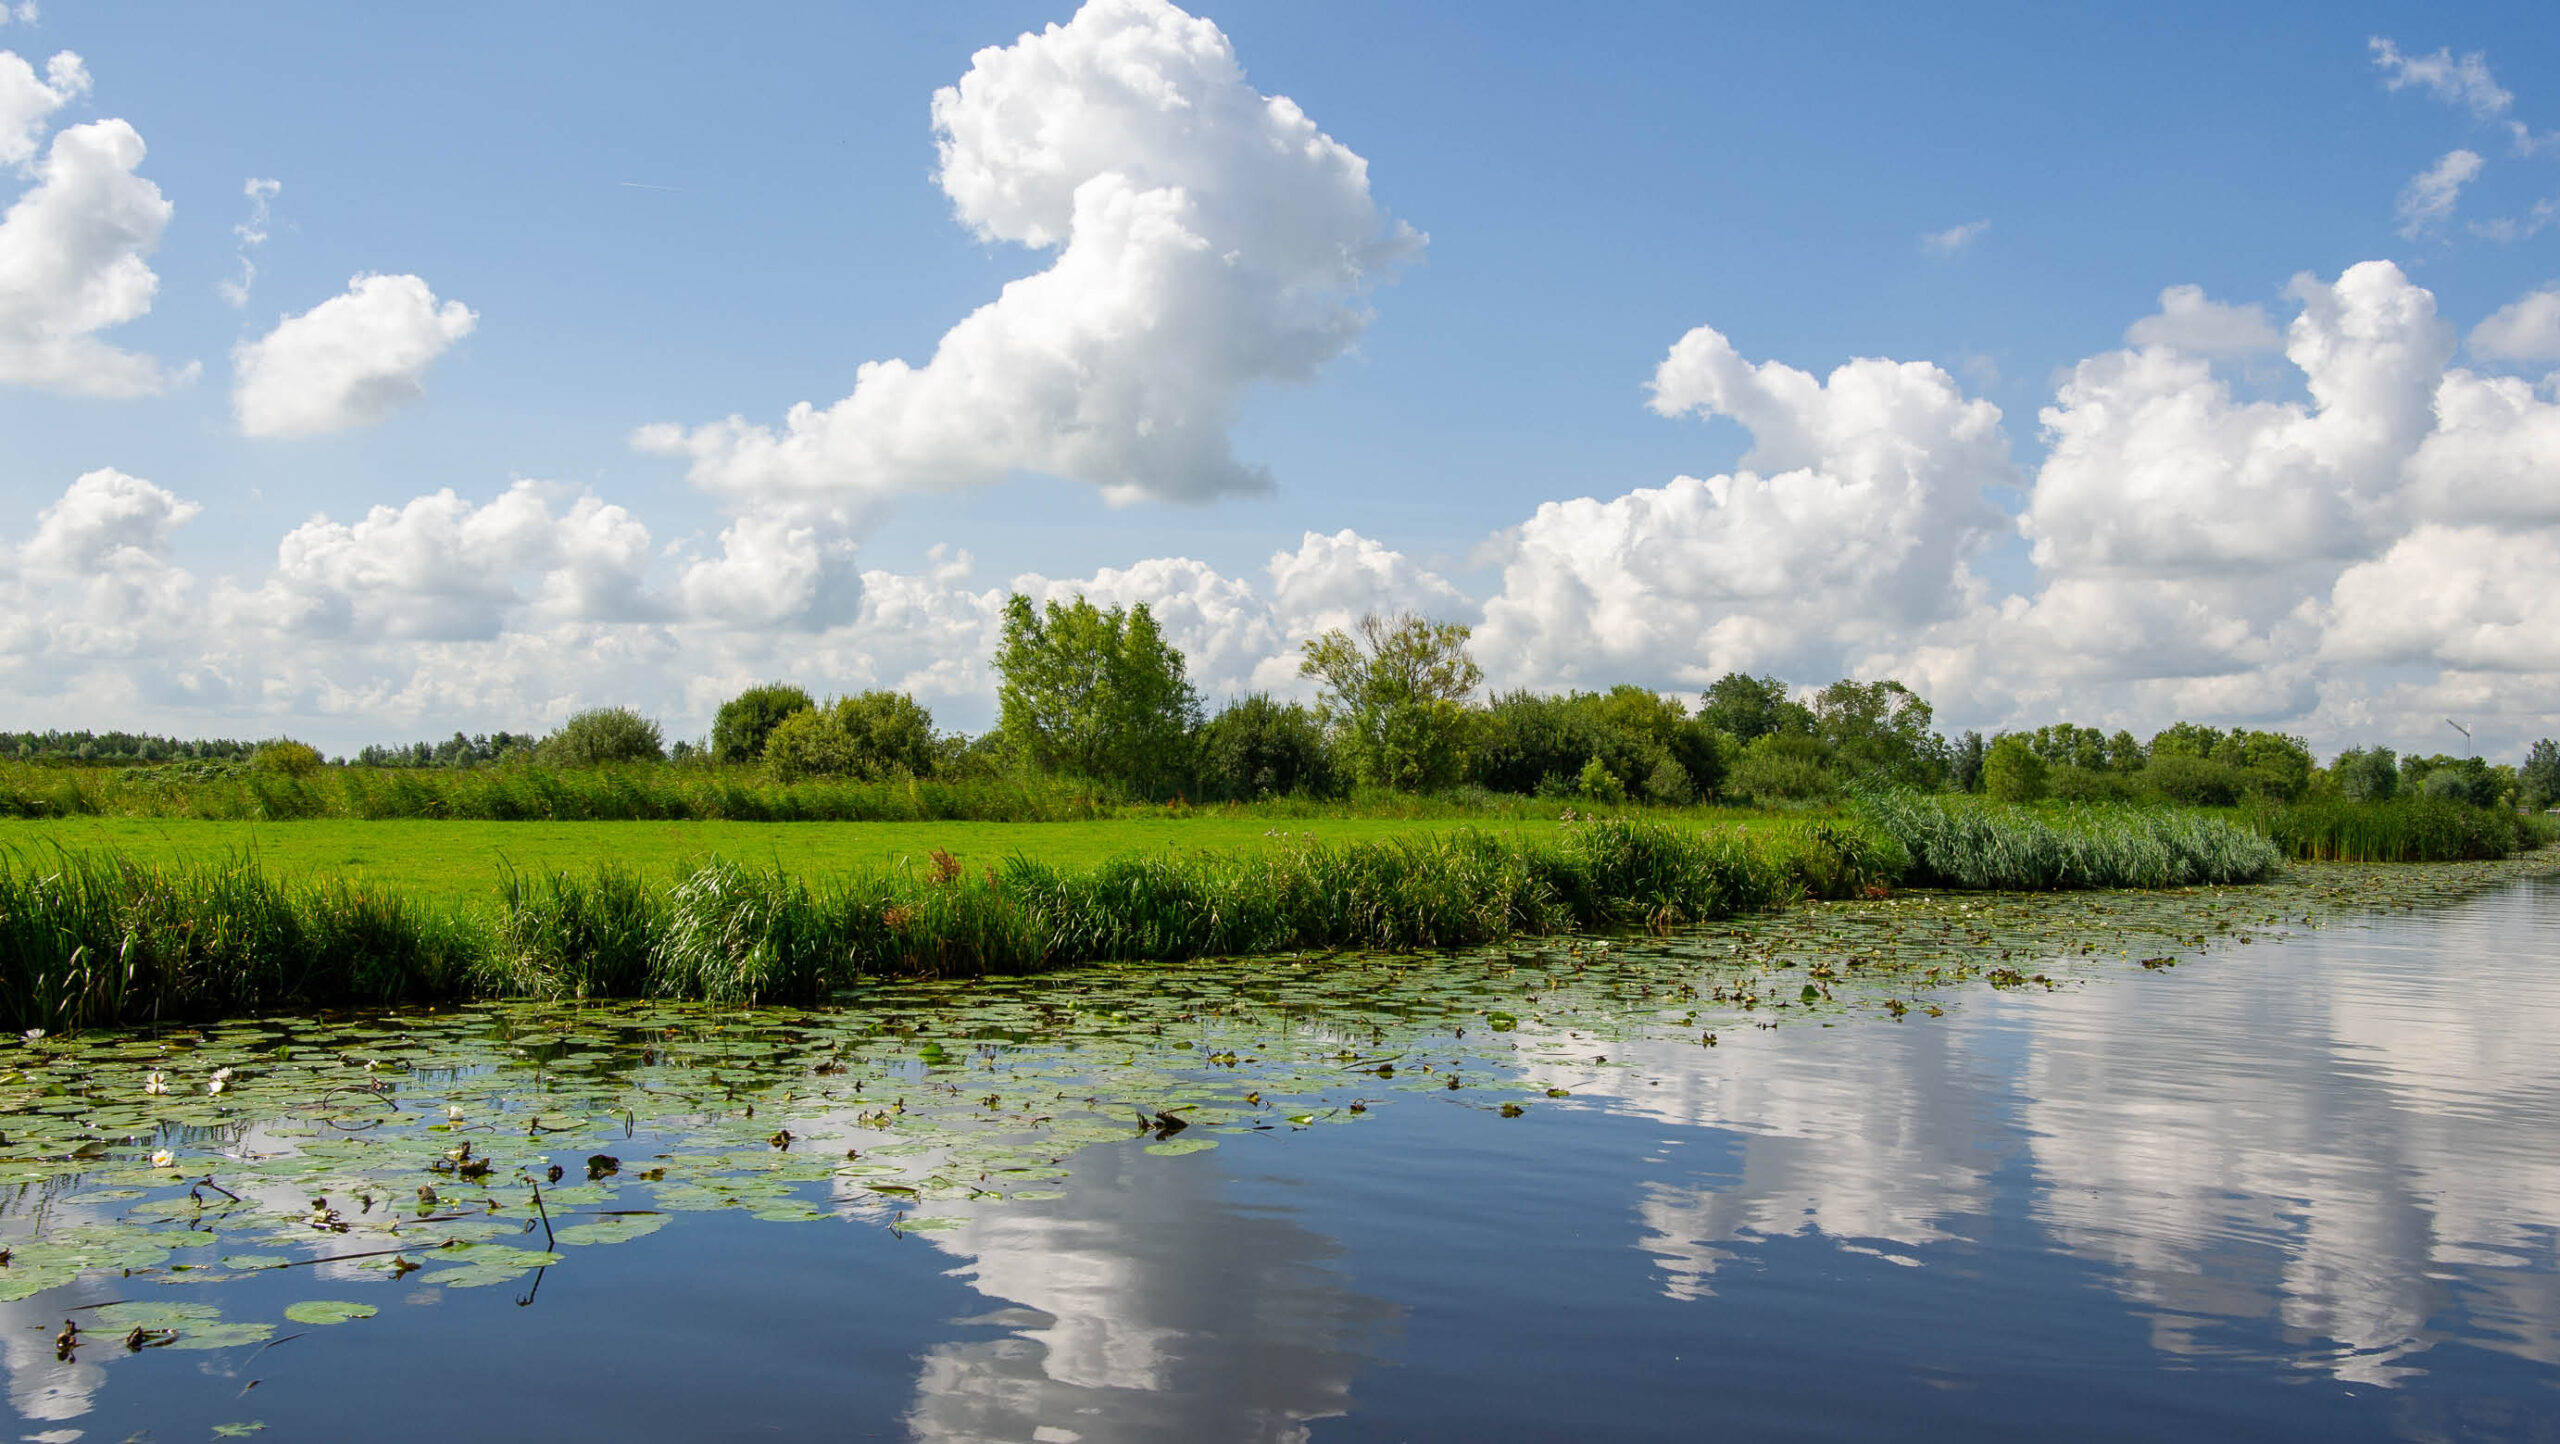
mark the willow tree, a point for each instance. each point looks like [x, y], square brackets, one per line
[1395, 691]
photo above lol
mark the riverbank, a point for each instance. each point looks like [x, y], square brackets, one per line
[97, 939]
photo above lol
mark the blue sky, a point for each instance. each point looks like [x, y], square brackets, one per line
[659, 215]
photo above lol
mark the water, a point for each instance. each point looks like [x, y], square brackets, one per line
[2307, 1188]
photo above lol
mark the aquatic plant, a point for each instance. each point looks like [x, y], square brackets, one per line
[2405, 828]
[1970, 843]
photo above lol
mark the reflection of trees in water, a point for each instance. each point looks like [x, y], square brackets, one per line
[2344, 1137]
[1147, 1307]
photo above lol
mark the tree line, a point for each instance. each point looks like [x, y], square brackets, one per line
[1099, 695]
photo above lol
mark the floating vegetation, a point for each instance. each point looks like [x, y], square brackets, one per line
[463, 1148]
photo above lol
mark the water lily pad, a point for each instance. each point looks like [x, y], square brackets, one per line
[613, 1228]
[1175, 1147]
[328, 1311]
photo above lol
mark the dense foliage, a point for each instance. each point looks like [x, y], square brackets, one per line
[738, 733]
[1095, 694]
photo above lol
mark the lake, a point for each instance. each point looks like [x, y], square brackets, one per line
[1949, 1168]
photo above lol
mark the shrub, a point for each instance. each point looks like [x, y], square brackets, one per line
[2012, 772]
[739, 733]
[1669, 783]
[2538, 781]
[286, 758]
[1600, 784]
[2195, 781]
[811, 744]
[875, 736]
[1256, 747]
[1781, 767]
[602, 737]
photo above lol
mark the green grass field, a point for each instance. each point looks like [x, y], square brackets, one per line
[464, 861]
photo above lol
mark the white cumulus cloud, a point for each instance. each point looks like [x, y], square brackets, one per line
[349, 361]
[73, 248]
[1849, 520]
[2188, 320]
[28, 100]
[1207, 238]
[2525, 329]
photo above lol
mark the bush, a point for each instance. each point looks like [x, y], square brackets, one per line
[286, 758]
[1600, 784]
[1256, 748]
[2012, 772]
[739, 733]
[602, 737]
[2195, 781]
[1781, 767]
[1669, 784]
[875, 736]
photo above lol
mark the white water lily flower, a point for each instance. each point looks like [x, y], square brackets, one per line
[216, 1085]
[156, 1083]
[453, 1113]
[221, 1075]
[164, 1159]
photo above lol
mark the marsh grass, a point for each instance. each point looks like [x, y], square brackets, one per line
[1969, 843]
[93, 940]
[2403, 829]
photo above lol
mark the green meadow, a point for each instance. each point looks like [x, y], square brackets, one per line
[455, 861]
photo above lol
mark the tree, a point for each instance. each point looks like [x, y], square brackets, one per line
[2011, 770]
[2538, 781]
[1749, 708]
[1879, 732]
[738, 734]
[601, 736]
[1964, 766]
[2366, 775]
[286, 756]
[1095, 694]
[1256, 747]
[1395, 691]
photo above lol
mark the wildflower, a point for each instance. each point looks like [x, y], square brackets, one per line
[32, 1034]
[164, 1159]
[216, 1084]
[156, 1083]
[453, 1113]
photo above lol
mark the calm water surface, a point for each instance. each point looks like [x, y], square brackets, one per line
[2307, 1189]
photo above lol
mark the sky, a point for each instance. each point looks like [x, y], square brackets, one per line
[368, 374]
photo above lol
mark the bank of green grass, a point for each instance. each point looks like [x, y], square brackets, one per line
[95, 938]
[459, 863]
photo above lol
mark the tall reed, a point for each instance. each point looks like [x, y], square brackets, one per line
[2403, 829]
[1968, 843]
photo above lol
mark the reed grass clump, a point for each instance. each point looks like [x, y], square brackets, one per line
[2401, 829]
[1967, 843]
[93, 940]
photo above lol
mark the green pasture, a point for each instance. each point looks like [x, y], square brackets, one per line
[464, 861]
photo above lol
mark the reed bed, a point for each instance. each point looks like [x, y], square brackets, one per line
[2403, 829]
[1968, 843]
[92, 941]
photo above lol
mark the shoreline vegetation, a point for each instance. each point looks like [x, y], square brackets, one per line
[92, 940]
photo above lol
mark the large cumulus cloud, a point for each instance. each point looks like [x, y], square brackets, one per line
[1207, 237]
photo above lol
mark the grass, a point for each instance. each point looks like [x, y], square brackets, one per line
[459, 862]
[2406, 829]
[88, 939]
[1970, 843]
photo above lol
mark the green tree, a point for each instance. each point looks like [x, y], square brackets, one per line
[1394, 690]
[2011, 770]
[2538, 781]
[738, 734]
[873, 735]
[1879, 732]
[1964, 765]
[1094, 693]
[1256, 747]
[2366, 775]
[602, 736]
[1749, 708]
[286, 756]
